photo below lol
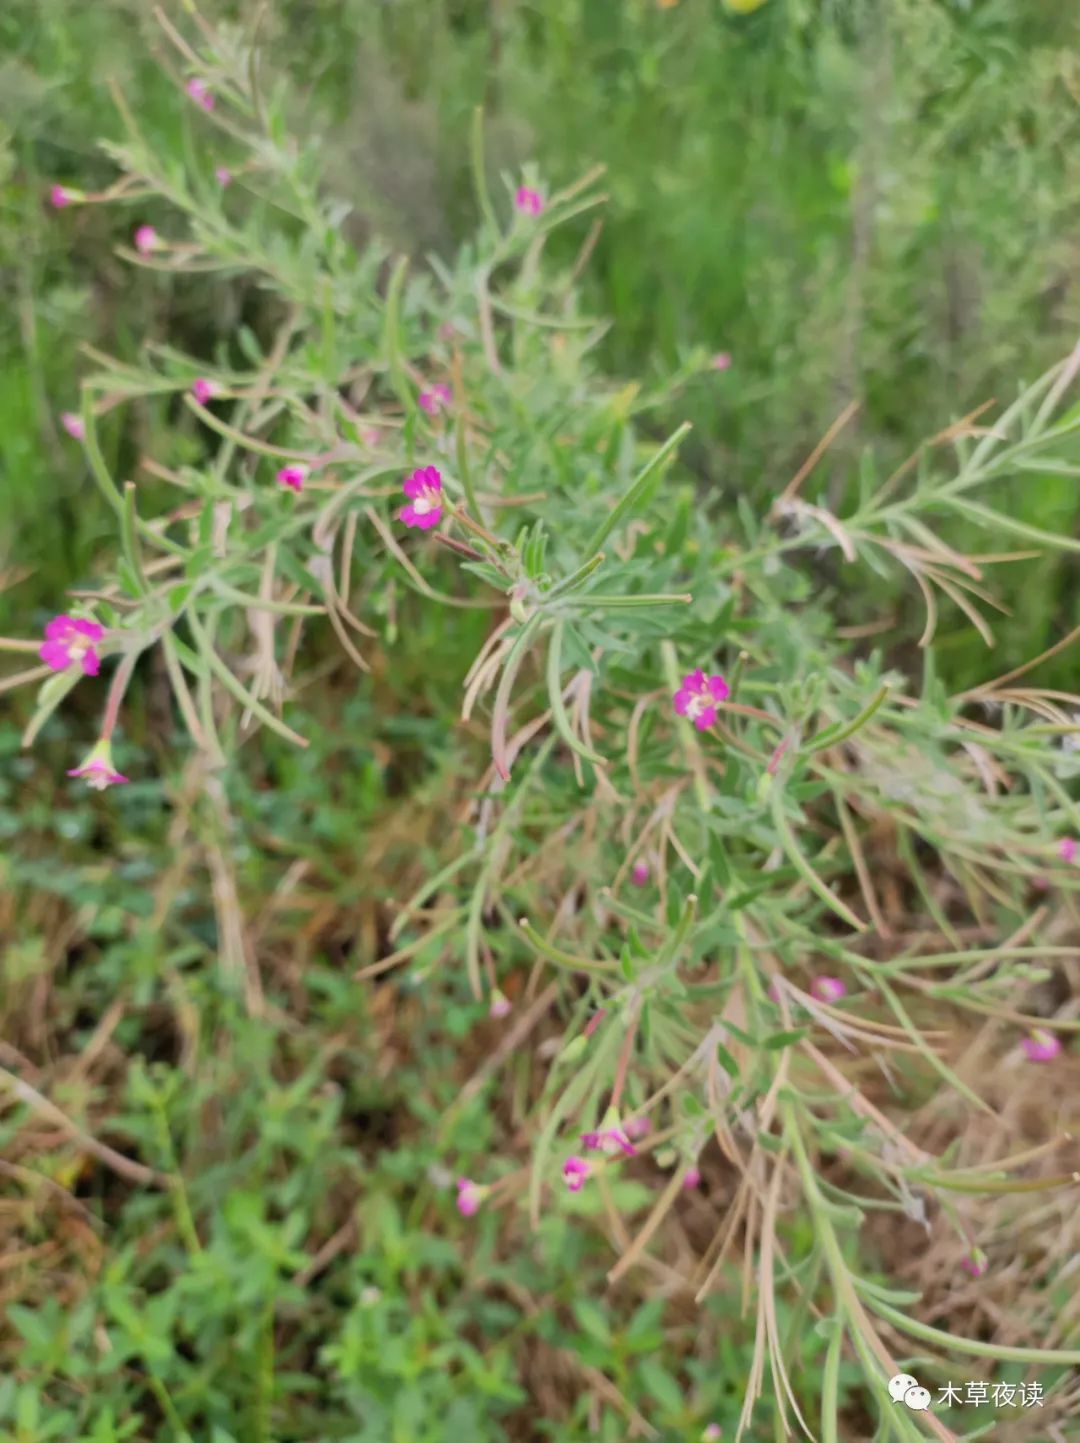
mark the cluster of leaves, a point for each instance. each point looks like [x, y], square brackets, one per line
[605, 573]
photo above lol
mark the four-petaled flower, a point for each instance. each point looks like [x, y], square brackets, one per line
[1041, 1046]
[470, 1196]
[72, 423]
[203, 389]
[827, 989]
[699, 696]
[69, 641]
[146, 240]
[98, 768]
[424, 490]
[528, 201]
[436, 399]
[201, 93]
[294, 475]
[575, 1170]
[1067, 849]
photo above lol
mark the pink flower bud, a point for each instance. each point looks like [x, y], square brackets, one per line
[146, 240]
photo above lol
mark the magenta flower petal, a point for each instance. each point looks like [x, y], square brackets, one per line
[575, 1171]
[293, 476]
[60, 196]
[1041, 1046]
[424, 490]
[54, 654]
[1067, 849]
[639, 873]
[469, 1197]
[223, 176]
[59, 627]
[692, 1179]
[73, 424]
[203, 389]
[98, 769]
[827, 989]
[528, 201]
[70, 642]
[146, 240]
[201, 93]
[698, 697]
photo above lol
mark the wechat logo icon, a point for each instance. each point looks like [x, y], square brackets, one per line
[904, 1388]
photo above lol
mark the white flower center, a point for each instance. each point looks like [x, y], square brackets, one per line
[98, 780]
[422, 505]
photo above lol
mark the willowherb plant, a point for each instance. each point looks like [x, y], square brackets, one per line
[665, 710]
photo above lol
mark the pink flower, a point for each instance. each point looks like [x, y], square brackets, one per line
[976, 1264]
[712, 1432]
[203, 389]
[500, 1004]
[223, 176]
[699, 696]
[98, 768]
[294, 475]
[60, 196]
[609, 1137]
[70, 642]
[436, 399]
[827, 989]
[636, 1126]
[424, 490]
[721, 361]
[639, 873]
[575, 1170]
[692, 1179]
[201, 93]
[528, 201]
[470, 1196]
[1041, 1046]
[73, 425]
[1067, 849]
[146, 240]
